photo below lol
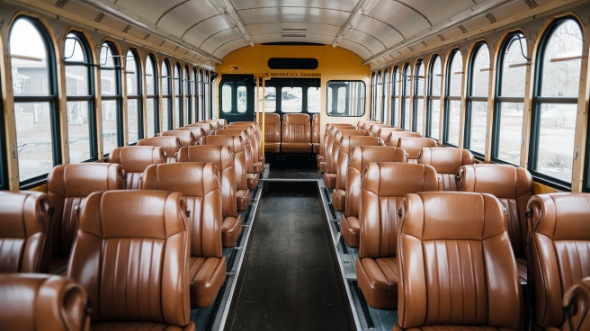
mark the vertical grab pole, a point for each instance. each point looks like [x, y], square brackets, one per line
[262, 129]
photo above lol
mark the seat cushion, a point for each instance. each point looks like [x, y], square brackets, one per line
[338, 199]
[378, 279]
[296, 147]
[243, 197]
[231, 227]
[272, 148]
[350, 227]
[206, 276]
[452, 328]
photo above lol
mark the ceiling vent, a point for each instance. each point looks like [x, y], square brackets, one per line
[293, 35]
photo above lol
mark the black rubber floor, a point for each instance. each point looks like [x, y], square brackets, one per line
[289, 279]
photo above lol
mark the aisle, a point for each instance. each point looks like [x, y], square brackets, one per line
[289, 280]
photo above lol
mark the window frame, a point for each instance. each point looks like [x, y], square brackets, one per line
[166, 96]
[430, 98]
[177, 92]
[419, 65]
[188, 95]
[154, 97]
[470, 98]
[406, 96]
[52, 98]
[395, 96]
[138, 96]
[539, 100]
[345, 114]
[91, 97]
[118, 97]
[448, 98]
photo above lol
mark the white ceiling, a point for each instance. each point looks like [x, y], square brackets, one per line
[376, 30]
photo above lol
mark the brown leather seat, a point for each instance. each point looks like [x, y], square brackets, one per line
[296, 134]
[414, 145]
[214, 124]
[30, 302]
[68, 185]
[347, 143]
[199, 184]
[231, 226]
[207, 127]
[513, 186]
[272, 133]
[559, 245]
[394, 136]
[25, 219]
[186, 137]
[253, 130]
[169, 144]
[383, 188]
[315, 133]
[198, 132]
[576, 305]
[376, 128]
[327, 141]
[133, 262]
[359, 158]
[446, 161]
[331, 168]
[385, 132]
[243, 194]
[457, 271]
[367, 124]
[252, 165]
[134, 160]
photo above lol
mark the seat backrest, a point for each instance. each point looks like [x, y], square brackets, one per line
[186, 137]
[576, 305]
[383, 187]
[214, 124]
[133, 262]
[169, 144]
[513, 186]
[414, 145]
[272, 128]
[250, 155]
[199, 184]
[394, 136]
[236, 148]
[221, 156]
[446, 161]
[296, 128]
[315, 128]
[376, 128]
[68, 185]
[346, 145]
[358, 159]
[332, 155]
[134, 160]
[329, 135]
[198, 132]
[560, 241]
[25, 219]
[207, 127]
[456, 266]
[42, 302]
[367, 125]
[384, 132]
[253, 131]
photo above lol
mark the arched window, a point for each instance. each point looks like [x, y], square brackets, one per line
[110, 82]
[3, 168]
[418, 124]
[555, 101]
[35, 99]
[509, 99]
[80, 106]
[202, 107]
[178, 96]
[151, 90]
[195, 77]
[189, 95]
[476, 112]
[378, 96]
[395, 95]
[134, 104]
[454, 76]
[166, 98]
[406, 86]
[434, 92]
[386, 97]
[373, 94]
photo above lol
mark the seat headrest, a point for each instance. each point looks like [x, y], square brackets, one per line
[393, 139]
[349, 142]
[414, 145]
[81, 179]
[169, 144]
[23, 213]
[272, 118]
[190, 178]
[185, 136]
[398, 179]
[233, 142]
[502, 180]
[133, 214]
[561, 216]
[137, 158]
[220, 155]
[196, 131]
[296, 119]
[384, 132]
[207, 127]
[362, 155]
[446, 160]
[452, 216]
